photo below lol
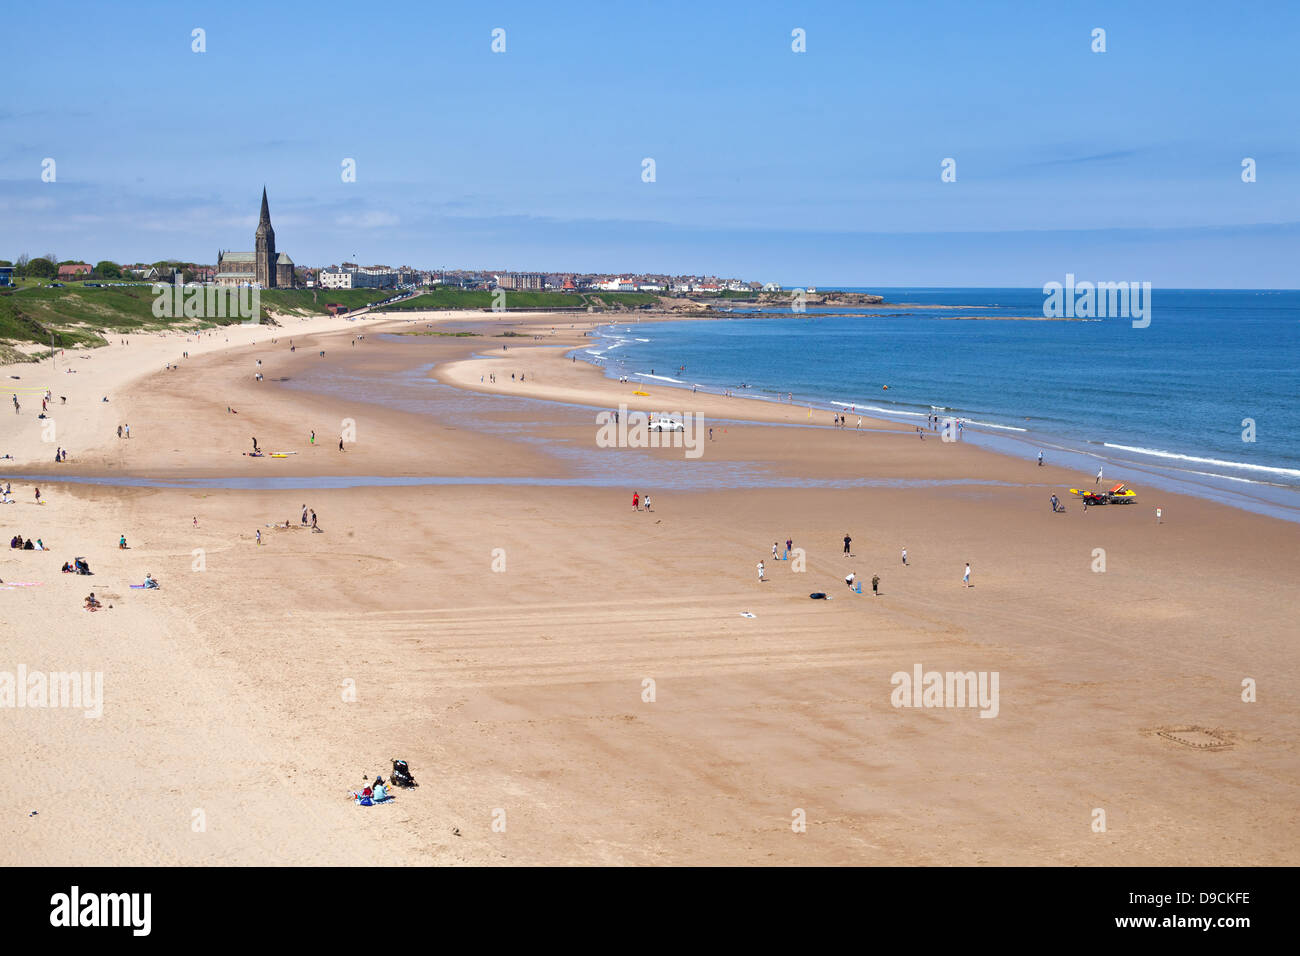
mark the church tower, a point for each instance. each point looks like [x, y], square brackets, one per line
[265, 247]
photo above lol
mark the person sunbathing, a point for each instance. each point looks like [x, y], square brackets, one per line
[92, 603]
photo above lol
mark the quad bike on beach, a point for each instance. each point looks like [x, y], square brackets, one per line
[1120, 494]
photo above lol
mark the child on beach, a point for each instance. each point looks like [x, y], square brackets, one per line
[760, 572]
[965, 578]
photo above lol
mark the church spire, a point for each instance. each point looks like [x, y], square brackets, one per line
[266, 210]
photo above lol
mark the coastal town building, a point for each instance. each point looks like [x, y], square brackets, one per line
[263, 267]
[519, 280]
[350, 276]
[72, 270]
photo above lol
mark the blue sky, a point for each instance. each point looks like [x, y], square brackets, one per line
[820, 167]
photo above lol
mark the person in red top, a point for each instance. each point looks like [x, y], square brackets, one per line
[636, 501]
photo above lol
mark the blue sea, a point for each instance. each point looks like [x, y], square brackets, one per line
[1168, 402]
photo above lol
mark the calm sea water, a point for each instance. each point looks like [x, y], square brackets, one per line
[1173, 393]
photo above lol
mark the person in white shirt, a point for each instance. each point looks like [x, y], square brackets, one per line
[760, 571]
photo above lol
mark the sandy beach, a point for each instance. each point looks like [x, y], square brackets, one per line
[576, 682]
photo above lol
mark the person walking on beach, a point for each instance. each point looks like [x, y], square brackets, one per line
[340, 443]
[128, 430]
[636, 501]
[304, 516]
[255, 448]
[847, 542]
[1056, 503]
[313, 436]
[760, 572]
[965, 578]
[789, 546]
[1158, 516]
[38, 496]
[1098, 475]
[647, 502]
[904, 557]
[776, 551]
[1040, 458]
[259, 537]
[313, 519]
[119, 431]
[875, 585]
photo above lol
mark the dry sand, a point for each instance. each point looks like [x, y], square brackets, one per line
[229, 734]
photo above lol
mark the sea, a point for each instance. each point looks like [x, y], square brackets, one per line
[1201, 395]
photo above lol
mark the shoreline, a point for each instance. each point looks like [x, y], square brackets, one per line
[1273, 499]
[1170, 470]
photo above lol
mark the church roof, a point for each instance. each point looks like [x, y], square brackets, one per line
[283, 259]
[239, 257]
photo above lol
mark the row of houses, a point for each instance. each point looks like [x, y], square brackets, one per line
[572, 282]
[351, 276]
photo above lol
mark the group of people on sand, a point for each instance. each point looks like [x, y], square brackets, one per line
[638, 500]
[303, 520]
[850, 579]
[18, 543]
[376, 792]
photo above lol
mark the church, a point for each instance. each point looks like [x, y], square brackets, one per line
[263, 267]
